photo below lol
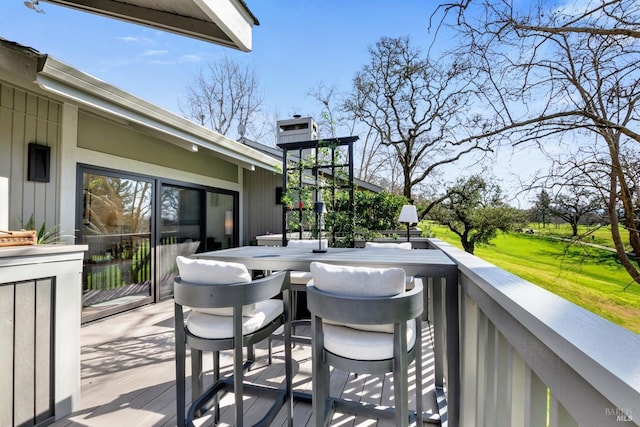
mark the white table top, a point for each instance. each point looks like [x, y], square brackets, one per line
[425, 262]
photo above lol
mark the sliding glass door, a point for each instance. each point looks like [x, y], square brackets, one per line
[136, 226]
[181, 230]
[116, 226]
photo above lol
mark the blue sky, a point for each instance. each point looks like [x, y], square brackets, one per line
[297, 44]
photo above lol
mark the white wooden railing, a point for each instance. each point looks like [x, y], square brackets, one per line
[530, 358]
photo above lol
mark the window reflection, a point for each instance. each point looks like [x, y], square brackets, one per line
[116, 226]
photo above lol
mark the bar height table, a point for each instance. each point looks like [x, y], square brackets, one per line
[426, 263]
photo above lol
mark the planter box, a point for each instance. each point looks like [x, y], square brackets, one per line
[40, 306]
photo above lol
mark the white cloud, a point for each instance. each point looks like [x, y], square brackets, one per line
[132, 39]
[191, 58]
[155, 52]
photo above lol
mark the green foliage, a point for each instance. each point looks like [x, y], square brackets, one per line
[373, 211]
[45, 236]
[378, 211]
[475, 212]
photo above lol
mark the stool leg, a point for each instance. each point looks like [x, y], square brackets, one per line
[319, 373]
[180, 367]
[418, 362]
[216, 378]
[237, 364]
[288, 361]
[400, 375]
[196, 376]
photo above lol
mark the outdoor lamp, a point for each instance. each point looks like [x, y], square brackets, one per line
[319, 208]
[228, 226]
[408, 215]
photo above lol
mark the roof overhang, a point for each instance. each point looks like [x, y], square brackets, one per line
[225, 22]
[108, 101]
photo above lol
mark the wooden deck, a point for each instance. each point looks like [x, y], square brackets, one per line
[128, 376]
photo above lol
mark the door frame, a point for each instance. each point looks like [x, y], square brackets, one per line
[156, 185]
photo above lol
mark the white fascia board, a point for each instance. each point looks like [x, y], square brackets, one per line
[231, 18]
[71, 83]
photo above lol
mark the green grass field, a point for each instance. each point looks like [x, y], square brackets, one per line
[590, 277]
[600, 235]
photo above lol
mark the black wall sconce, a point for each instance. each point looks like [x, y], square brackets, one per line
[39, 162]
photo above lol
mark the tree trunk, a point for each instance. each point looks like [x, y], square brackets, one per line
[468, 245]
[615, 232]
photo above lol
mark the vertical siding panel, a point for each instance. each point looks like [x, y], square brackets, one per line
[503, 382]
[19, 101]
[40, 137]
[19, 199]
[469, 362]
[262, 213]
[26, 117]
[53, 140]
[5, 130]
[43, 356]
[538, 401]
[481, 401]
[24, 348]
[32, 105]
[6, 353]
[491, 368]
[32, 198]
[519, 392]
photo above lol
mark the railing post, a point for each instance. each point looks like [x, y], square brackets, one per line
[453, 346]
[438, 332]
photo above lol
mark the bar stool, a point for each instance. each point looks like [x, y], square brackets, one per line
[229, 312]
[364, 321]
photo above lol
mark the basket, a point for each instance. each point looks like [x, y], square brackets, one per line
[18, 238]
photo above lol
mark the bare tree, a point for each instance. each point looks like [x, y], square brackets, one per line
[570, 74]
[374, 162]
[412, 104]
[226, 97]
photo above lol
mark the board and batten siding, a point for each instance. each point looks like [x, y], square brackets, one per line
[26, 117]
[262, 214]
[26, 343]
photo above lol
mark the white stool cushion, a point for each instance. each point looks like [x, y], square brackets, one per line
[218, 327]
[300, 277]
[359, 282]
[307, 244]
[210, 272]
[363, 345]
[374, 245]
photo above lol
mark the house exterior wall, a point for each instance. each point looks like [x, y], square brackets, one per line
[26, 117]
[262, 214]
[77, 137]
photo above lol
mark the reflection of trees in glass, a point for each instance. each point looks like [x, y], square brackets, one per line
[170, 201]
[116, 205]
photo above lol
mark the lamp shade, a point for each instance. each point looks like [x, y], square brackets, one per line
[320, 208]
[228, 223]
[408, 214]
